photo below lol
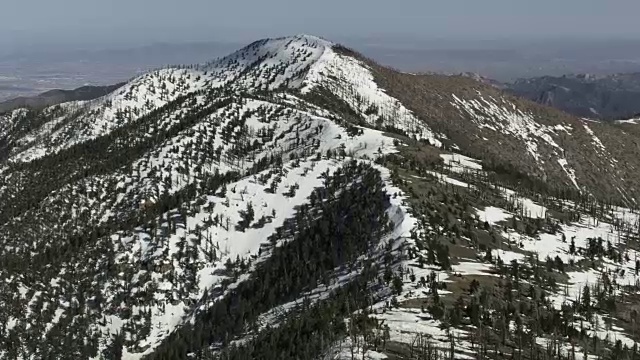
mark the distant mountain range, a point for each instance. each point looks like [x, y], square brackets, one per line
[609, 97]
[58, 96]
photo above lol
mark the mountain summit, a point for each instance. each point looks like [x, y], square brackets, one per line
[296, 200]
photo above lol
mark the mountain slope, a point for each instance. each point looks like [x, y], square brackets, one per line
[295, 200]
[521, 137]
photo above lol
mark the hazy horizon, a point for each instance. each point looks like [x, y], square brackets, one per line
[120, 23]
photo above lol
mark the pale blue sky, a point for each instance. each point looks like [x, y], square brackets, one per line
[117, 22]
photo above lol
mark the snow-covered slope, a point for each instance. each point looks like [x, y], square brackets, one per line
[629, 121]
[8, 121]
[233, 139]
[82, 121]
[507, 119]
[568, 244]
[270, 64]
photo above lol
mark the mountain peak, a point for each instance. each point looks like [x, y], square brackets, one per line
[304, 37]
[271, 46]
[282, 61]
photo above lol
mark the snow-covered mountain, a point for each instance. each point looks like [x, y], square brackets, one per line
[296, 200]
